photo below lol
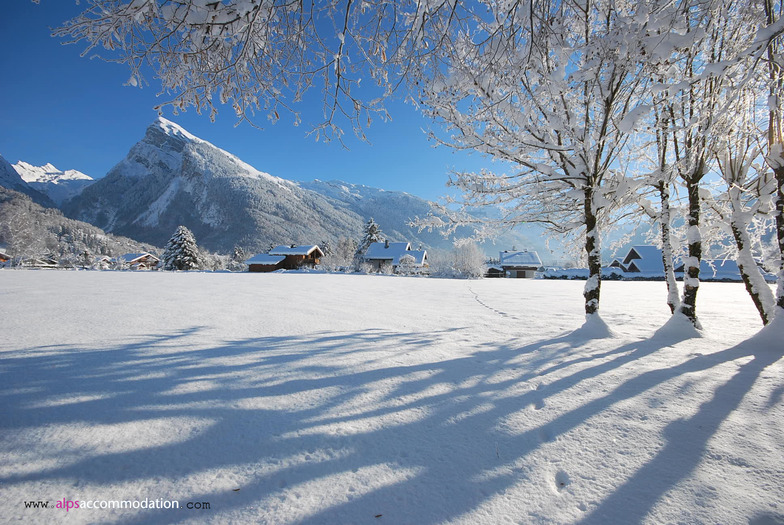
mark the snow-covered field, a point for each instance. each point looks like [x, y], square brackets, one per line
[312, 398]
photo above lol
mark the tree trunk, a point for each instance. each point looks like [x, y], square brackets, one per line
[673, 299]
[779, 171]
[691, 266]
[592, 249]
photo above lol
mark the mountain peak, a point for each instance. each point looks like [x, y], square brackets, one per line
[173, 130]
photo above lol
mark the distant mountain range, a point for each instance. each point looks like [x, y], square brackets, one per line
[172, 177]
[10, 179]
[56, 184]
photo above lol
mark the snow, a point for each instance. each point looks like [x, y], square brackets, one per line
[48, 173]
[264, 258]
[628, 123]
[523, 258]
[208, 149]
[391, 251]
[293, 250]
[297, 398]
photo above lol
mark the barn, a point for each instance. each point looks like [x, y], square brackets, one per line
[286, 257]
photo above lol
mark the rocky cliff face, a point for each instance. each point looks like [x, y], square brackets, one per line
[171, 177]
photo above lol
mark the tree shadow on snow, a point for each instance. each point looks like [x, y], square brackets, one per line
[407, 435]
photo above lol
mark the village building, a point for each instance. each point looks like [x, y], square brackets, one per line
[140, 261]
[264, 262]
[383, 256]
[645, 262]
[642, 259]
[44, 261]
[102, 262]
[516, 264]
[286, 258]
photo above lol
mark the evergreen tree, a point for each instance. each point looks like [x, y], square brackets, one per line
[372, 234]
[181, 252]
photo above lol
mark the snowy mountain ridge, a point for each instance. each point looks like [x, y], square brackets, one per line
[12, 180]
[47, 173]
[58, 185]
[171, 178]
[175, 131]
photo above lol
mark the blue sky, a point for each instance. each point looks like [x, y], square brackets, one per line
[58, 107]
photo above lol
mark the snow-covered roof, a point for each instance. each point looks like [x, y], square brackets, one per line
[382, 251]
[420, 256]
[294, 250]
[524, 258]
[644, 259]
[266, 259]
[134, 257]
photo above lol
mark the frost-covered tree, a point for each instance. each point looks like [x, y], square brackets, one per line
[371, 233]
[548, 88]
[264, 56]
[406, 265]
[468, 260]
[341, 256]
[181, 252]
[774, 72]
[701, 77]
[747, 194]
[29, 230]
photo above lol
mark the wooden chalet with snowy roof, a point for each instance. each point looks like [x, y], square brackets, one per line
[386, 255]
[140, 261]
[520, 265]
[284, 257]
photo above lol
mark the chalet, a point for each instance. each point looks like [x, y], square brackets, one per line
[140, 261]
[264, 262]
[285, 257]
[522, 264]
[386, 255]
[102, 262]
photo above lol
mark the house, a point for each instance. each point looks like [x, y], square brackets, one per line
[522, 264]
[264, 262]
[386, 255]
[643, 259]
[140, 261]
[102, 262]
[41, 262]
[285, 257]
[645, 262]
[4, 257]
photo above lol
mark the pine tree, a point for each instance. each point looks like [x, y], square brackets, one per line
[372, 234]
[181, 252]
